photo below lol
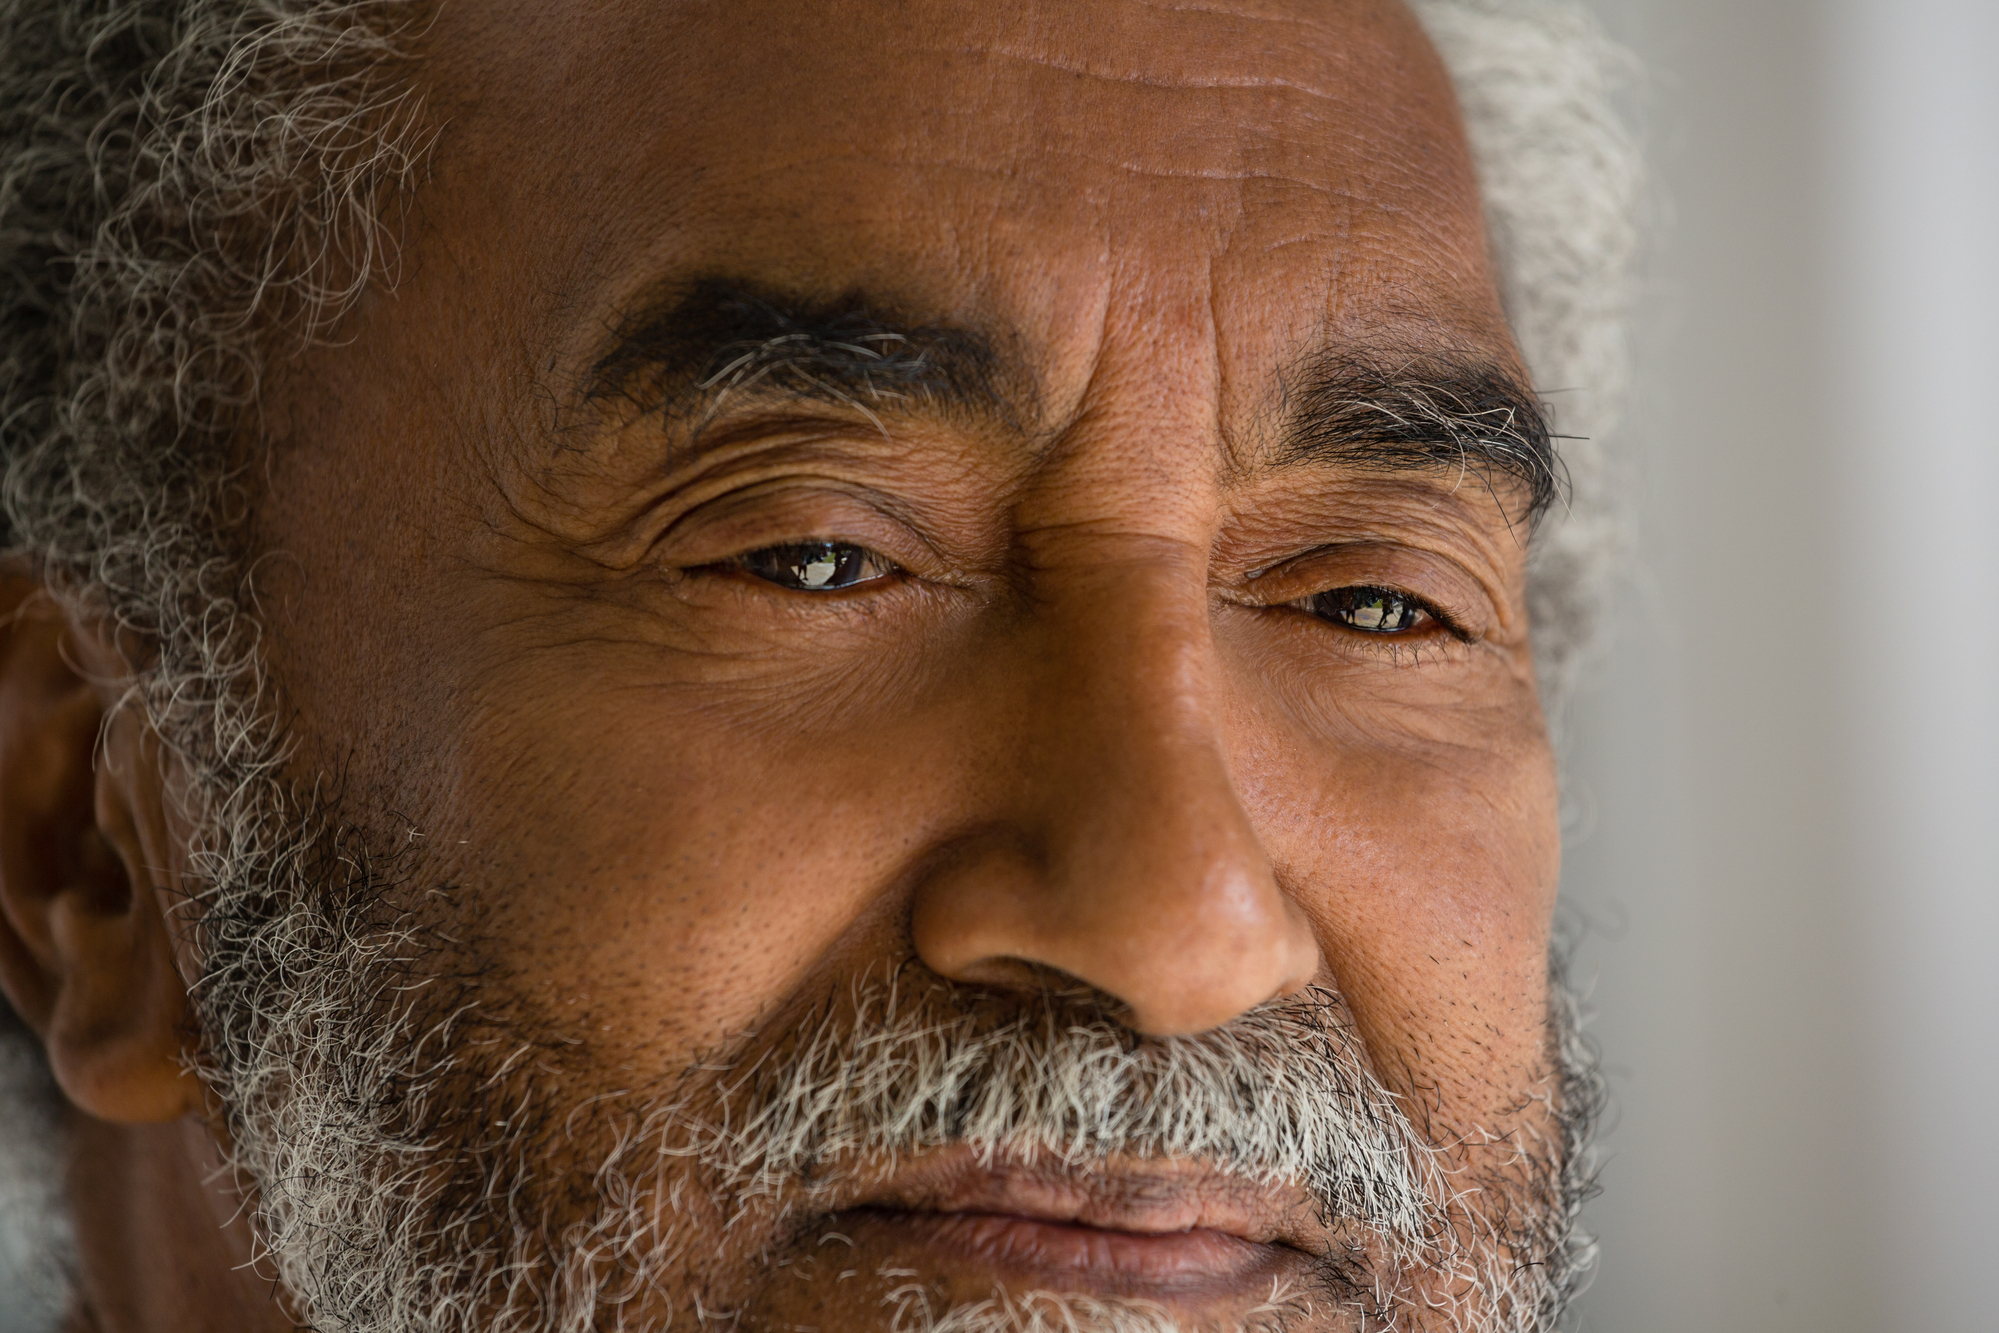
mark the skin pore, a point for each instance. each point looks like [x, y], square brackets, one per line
[1045, 661]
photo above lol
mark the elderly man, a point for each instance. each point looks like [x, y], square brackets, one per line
[798, 667]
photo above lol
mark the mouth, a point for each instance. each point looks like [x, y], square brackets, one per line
[1161, 1231]
[1069, 1256]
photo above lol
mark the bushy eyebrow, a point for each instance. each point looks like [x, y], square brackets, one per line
[1424, 410]
[686, 355]
[713, 342]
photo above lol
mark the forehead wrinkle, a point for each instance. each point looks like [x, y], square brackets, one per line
[1230, 62]
[1395, 186]
[1336, 193]
[1009, 173]
[1236, 444]
[1296, 20]
[1140, 79]
[1226, 44]
[1235, 116]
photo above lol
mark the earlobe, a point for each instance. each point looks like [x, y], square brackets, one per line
[85, 955]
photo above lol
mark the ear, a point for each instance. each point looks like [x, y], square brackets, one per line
[85, 955]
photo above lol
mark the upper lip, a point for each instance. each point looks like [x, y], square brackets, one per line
[1138, 1197]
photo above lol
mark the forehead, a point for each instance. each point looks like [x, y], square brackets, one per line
[1273, 172]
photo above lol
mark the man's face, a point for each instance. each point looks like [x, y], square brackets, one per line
[926, 514]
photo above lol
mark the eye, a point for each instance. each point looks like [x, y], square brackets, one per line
[816, 566]
[1370, 610]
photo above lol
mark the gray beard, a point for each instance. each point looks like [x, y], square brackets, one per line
[414, 1163]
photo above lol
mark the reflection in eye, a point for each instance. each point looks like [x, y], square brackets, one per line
[1373, 610]
[816, 566]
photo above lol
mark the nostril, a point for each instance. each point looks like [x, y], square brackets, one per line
[1025, 977]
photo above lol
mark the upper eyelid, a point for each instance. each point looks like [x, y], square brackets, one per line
[1372, 564]
[899, 536]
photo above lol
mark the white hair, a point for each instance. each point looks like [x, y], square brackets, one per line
[190, 187]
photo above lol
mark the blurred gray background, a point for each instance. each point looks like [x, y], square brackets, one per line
[1784, 779]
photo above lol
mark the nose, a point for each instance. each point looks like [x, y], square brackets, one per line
[1119, 855]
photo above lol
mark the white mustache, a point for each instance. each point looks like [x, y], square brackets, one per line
[1283, 1094]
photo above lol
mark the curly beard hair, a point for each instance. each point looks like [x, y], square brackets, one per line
[421, 1155]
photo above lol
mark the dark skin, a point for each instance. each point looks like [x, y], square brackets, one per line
[1076, 717]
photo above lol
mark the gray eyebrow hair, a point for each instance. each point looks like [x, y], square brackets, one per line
[684, 355]
[1424, 410]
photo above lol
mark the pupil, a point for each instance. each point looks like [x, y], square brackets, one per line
[1374, 613]
[818, 567]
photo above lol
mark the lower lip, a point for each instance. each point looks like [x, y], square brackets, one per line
[1008, 1245]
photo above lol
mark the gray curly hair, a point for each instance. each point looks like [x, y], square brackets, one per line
[188, 189]
[193, 190]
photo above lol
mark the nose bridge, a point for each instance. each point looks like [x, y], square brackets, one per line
[1144, 877]
[1124, 706]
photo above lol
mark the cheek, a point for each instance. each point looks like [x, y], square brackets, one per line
[660, 864]
[1423, 843]
[657, 896]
